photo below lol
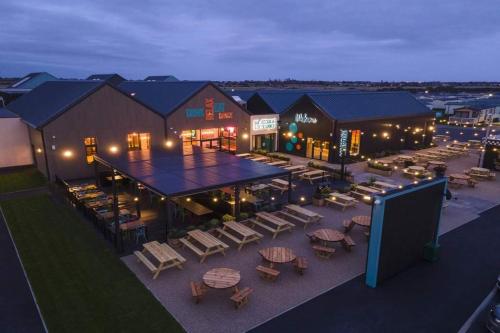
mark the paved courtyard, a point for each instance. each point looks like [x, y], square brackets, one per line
[216, 313]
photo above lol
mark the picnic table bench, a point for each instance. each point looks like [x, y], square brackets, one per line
[244, 234]
[480, 173]
[260, 159]
[240, 298]
[277, 224]
[164, 254]
[278, 163]
[197, 290]
[244, 155]
[301, 214]
[296, 170]
[212, 244]
[300, 264]
[324, 252]
[268, 273]
[341, 200]
[313, 175]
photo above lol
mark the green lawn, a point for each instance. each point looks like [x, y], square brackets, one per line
[80, 284]
[21, 180]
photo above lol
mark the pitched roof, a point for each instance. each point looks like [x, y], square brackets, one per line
[243, 94]
[42, 104]
[280, 100]
[162, 78]
[32, 80]
[164, 97]
[352, 106]
[4, 113]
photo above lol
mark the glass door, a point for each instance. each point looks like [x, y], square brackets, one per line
[325, 150]
[317, 150]
[309, 148]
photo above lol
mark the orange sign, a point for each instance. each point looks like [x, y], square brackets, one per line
[209, 109]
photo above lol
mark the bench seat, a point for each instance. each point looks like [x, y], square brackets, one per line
[268, 273]
[323, 251]
[240, 298]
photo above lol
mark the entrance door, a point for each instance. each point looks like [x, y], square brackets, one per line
[325, 150]
[317, 150]
[309, 148]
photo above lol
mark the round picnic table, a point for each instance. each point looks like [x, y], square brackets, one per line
[222, 278]
[329, 235]
[459, 176]
[278, 255]
[362, 220]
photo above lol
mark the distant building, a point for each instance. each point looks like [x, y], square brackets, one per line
[161, 78]
[24, 85]
[112, 79]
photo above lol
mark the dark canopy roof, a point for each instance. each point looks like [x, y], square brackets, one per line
[196, 170]
[164, 97]
[353, 106]
[32, 80]
[163, 78]
[4, 113]
[42, 104]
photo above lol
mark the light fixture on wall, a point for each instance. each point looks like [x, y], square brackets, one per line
[169, 143]
[67, 153]
[136, 199]
[245, 136]
[39, 150]
[113, 149]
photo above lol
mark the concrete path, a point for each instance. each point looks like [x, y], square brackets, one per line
[18, 310]
[428, 297]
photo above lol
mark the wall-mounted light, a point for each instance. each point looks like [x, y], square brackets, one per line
[215, 199]
[400, 186]
[67, 153]
[136, 199]
[113, 149]
[302, 198]
[189, 199]
[169, 143]
[162, 198]
[39, 150]
[245, 136]
[243, 199]
[273, 198]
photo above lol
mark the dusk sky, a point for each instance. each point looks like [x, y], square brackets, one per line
[236, 40]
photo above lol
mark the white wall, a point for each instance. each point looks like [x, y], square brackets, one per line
[15, 147]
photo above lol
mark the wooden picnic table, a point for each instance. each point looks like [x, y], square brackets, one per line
[436, 163]
[460, 176]
[244, 234]
[277, 224]
[312, 175]
[416, 168]
[260, 159]
[343, 197]
[405, 158]
[329, 235]
[367, 190]
[302, 211]
[222, 278]
[164, 254]
[280, 184]
[278, 163]
[295, 167]
[278, 255]
[212, 244]
[297, 213]
[192, 206]
[384, 162]
[362, 220]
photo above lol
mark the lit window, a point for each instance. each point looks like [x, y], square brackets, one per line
[138, 141]
[90, 144]
[355, 142]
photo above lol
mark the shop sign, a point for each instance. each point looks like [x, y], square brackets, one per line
[305, 119]
[225, 115]
[195, 112]
[263, 124]
[218, 107]
[209, 109]
[343, 142]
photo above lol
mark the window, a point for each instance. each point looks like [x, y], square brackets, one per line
[355, 142]
[90, 148]
[139, 141]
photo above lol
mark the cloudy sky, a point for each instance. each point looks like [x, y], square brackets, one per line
[243, 39]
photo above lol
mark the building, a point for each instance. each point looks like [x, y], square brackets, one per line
[112, 79]
[70, 120]
[16, 148]
[24, 85]
[161, 78]
[324, 126]
[195, 113]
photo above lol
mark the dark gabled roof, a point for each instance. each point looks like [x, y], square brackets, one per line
[52, 98]
[353, 106]
[164, 97]
[4, 113]
[243, 94]
[32, 80]
[113, 79]
[172, 173]
[162, 78]
[280, 100]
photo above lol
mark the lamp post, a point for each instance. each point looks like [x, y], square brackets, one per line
[483, 150]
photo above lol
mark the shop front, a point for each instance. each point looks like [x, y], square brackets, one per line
[264, 132]
[306, 131]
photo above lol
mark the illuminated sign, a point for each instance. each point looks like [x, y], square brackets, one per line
[195, 112]
[305, 119]
[218, 107]
[225, 115]
[209, 109]
[263, 124]
[343, 142]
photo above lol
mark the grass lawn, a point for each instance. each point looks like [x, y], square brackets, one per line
[80, 284]
[21, 179]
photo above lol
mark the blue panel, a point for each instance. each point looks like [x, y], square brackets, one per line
[195, 113]
[218, 107]
[376, 228]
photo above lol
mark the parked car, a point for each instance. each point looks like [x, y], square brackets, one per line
[493, 324]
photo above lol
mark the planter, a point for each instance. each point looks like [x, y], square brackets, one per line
[318, 202]
[385, 173]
